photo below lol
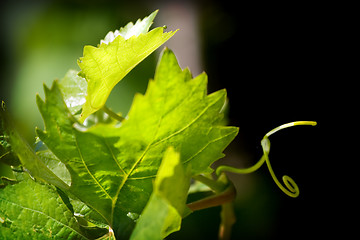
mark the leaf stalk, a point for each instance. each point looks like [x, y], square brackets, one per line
[112, 114]
[226, 196]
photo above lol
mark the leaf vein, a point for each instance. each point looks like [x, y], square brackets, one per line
[87, 169]
[113, 155]
[97, 64]
[44, 214]
[211, 142]
[186, 126]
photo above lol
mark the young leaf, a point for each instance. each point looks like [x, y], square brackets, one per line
[31, 210]
[73, 88]
[104, 66]
[112, 167]
[162, 215]
[141, 26]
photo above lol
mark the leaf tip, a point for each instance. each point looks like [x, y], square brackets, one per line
[39, 100]
[86, 112]
[153, 14]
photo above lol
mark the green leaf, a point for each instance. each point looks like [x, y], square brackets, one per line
[163, 213]
[55, 165]
[29, 160]
[73, 88]
[87, 157]
[141, 26]
[112, 167]
[104, 66]
[30, 210]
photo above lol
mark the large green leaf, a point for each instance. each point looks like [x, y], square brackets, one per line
[112, 167]
[30, 210]
[104, 66]
[163, 213]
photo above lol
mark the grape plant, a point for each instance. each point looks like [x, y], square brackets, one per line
[96, 174]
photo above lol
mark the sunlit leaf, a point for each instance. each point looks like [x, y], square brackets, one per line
[30, 210]
[73, 88]
[163, 213]
[104, 66]
[113, 167]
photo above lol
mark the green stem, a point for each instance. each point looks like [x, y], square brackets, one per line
[226, 196]
[251, 169]
[112, 114]
[297, 123]
[228, 219]
[216, 186]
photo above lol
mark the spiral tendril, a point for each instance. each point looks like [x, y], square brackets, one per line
[291, 189]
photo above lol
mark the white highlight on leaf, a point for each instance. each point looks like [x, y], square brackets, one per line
[140, 27]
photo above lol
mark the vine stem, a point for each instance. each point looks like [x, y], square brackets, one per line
[109, 112]
[228, 219]
[226, 196]
[216, 186]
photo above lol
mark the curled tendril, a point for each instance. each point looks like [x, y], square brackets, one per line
[291, 189]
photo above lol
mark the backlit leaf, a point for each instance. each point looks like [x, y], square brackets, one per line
[113, 167]
[73, 88]
[163, 213]
[30, 210]
[104, 66]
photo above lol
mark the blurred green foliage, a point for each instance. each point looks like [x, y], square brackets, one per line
[45, 39]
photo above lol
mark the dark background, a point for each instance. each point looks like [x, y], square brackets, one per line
[274, 59]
